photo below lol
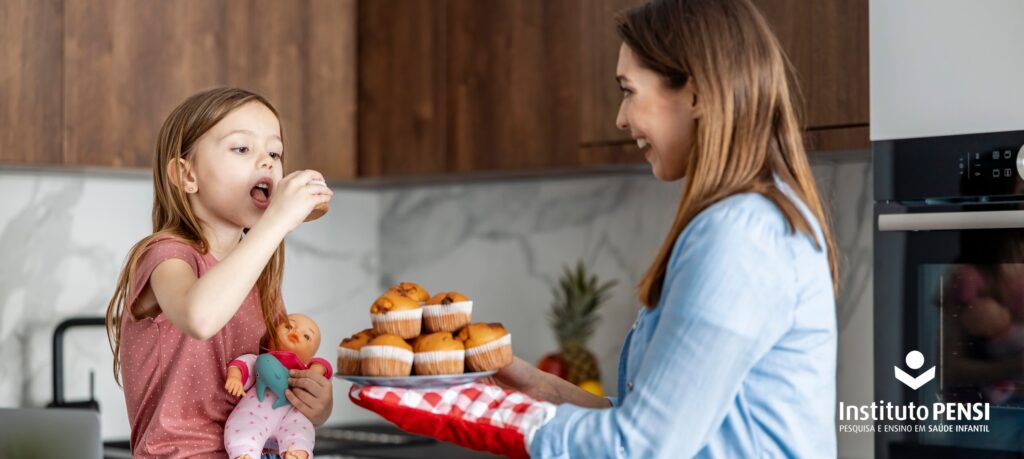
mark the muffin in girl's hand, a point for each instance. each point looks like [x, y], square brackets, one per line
[386, 355]
[439, 354]
[488, 346]
[447, 311]
[411, 290]
[396, 314]
[348, 352]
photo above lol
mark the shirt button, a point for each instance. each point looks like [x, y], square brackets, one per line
[634, 325]
[629, 386]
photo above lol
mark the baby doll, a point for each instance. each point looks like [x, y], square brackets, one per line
[263, 414]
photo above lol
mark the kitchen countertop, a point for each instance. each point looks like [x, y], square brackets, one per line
[366, 441]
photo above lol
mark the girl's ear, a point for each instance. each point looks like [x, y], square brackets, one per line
[181, 175]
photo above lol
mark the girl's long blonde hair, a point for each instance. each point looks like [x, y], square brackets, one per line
[748, 131]
[172, 214]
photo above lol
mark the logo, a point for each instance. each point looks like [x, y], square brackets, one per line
[912, 416]
[914, 360]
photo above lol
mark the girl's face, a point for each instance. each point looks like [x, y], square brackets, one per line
[662, 120]
[232, 162]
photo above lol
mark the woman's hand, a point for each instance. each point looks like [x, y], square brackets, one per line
[520, 375]
[294, 197]
[476, 416]
[310, 393]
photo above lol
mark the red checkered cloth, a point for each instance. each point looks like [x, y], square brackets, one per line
[477, 416]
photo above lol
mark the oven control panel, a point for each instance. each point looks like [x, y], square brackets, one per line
[1020, 162]
[958, 168]
[997, 164]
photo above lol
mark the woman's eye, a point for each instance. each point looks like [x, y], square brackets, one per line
[626, 92]
[275, 155]
[289, 327]
[240, 149]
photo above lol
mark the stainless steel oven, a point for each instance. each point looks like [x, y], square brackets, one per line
[949, 284]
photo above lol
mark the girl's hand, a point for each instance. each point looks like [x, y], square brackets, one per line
[294, 197]
[310, 393]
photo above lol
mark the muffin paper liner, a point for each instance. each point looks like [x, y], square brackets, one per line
[503, 341]
[434, 310]
[386, 352]
[438, 356]
[348, 353]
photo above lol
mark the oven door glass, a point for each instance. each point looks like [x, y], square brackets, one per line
[955, 293]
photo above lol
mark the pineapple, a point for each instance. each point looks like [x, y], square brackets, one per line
[573, 316]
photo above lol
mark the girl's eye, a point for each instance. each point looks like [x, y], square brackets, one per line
[240, 149]
[275, 155]
[289, 326]
[307, 337]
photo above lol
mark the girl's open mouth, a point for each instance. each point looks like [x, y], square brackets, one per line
[260, 194]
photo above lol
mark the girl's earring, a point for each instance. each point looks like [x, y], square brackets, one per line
[190, 189]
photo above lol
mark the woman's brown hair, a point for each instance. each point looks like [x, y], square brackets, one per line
[172, 214]
[748, 132]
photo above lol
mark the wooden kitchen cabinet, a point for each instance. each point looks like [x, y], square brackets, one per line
[443, 86]
[826, 41]
[100, 76]
[600, 95]
[31, 119]
[451, 86]
[128, 64]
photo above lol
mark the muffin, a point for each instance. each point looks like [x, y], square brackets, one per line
[447, 312]
[386, 355]
[348, 352]
[394, 314]
[488, 346]
[438, 354]
[411, 290]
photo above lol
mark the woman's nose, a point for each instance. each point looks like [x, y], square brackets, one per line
[620, 118]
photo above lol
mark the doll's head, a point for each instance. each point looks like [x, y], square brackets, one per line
[985, 317]
[298, 334]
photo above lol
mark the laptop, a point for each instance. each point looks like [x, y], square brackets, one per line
[46, 433]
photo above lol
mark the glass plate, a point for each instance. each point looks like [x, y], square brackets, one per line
[416, 382]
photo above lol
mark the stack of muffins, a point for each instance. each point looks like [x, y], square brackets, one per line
[414, 333]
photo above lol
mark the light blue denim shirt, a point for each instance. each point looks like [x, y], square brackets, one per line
[738, 360]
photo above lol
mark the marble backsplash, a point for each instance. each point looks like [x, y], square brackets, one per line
[64, 238]
[503, 243]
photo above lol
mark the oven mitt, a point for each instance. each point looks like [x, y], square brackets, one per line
[476, 416]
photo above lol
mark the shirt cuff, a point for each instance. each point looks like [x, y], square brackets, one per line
[549, 440]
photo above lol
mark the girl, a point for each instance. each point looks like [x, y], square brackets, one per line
[734, 351]
[206, 285]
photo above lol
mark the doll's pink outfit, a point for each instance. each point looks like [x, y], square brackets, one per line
[253, 422]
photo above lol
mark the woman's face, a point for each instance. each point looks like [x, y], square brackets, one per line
[662, 120]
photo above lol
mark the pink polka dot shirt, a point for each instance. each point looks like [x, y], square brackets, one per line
[174, 384]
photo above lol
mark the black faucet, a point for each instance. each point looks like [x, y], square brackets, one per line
[58, 364]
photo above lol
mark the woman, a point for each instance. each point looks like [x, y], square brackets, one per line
[734, 354]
